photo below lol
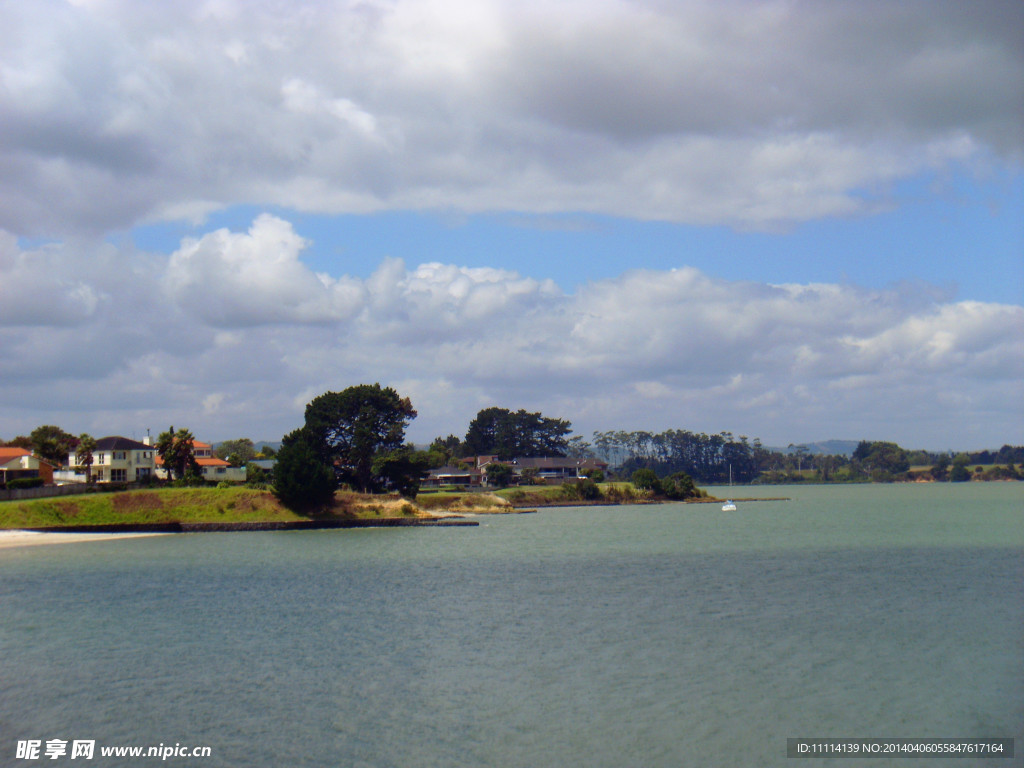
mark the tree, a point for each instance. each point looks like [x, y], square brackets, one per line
[302, 479]
[500, 432]
[239, 452]
[499, 475]
[960, 473]
[21, 441]
[84, 454]
[177, 450]
[53, 444]
[941, 469]
[882, 459]
[578, 448]
[401, 470]
[351, 428]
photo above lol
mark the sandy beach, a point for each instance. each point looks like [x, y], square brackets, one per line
[34, 538]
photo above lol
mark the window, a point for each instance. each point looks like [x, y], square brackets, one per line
[119, 455]
[119, 475]
[141, 473]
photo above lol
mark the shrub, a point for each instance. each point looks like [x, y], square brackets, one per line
[679, 486]
[25, 482]
[646, 480]
[581, 490]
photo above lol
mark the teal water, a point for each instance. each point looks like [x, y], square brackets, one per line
[671, 635]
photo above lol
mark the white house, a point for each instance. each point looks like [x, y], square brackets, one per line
[118, 460]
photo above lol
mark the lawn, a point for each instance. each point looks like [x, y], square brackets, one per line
[188, 505]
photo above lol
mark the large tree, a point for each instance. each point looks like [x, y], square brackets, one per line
[881, 458]
[501, 432]
[239, 452]
[352, 428]
[53, 444]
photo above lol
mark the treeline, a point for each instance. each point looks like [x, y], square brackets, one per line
[711, 458]
[357, 439]
[705, 458]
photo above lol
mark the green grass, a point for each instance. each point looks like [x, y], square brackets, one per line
[187, 505]
[191, 505]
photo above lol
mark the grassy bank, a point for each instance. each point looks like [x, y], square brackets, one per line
[190, 505]
[505, 499]
[245, 505]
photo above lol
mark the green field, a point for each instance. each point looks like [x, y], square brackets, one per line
[187, 505]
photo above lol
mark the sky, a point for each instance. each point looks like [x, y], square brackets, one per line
[795, 221]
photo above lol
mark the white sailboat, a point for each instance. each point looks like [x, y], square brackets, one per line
[730, 505]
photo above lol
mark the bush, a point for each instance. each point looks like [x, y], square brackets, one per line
[25, 482]
[679, 486]
[620, 495]
[581, 490]
[646, 480]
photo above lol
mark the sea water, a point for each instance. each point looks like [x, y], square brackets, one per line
[661, 635]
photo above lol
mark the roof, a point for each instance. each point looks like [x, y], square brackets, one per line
[116, 443]
[12, 453]
[211, 461]
[202, 461]
[449, 470]
[555, 462]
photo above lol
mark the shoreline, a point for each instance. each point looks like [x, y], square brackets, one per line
[66, 534]
[14, 538]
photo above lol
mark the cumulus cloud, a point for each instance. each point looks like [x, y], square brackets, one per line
[748, 114]
[229, 279]
[234, 332]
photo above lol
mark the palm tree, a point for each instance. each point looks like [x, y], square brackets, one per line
[84, 454]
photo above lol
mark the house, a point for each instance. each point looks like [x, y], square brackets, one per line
[16, 463]
[547, 470]
[213, 469]
[459, 476]
[118, 460]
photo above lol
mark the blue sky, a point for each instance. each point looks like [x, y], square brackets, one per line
[967, 242]
[791, 220]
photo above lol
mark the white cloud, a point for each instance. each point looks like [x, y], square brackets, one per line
[227, 279]
[748, 114]
[37, 290]
[235, 333]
